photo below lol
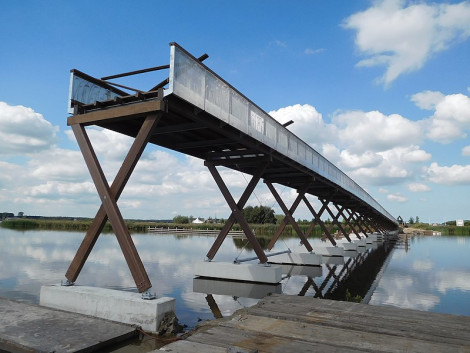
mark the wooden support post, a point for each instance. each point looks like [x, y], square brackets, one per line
[317, 220]
[288, 216]
[357, 221]
[108, 198]
[237, 212]
[240, 204]
[348, 221]
[117, 187]
[336, 220]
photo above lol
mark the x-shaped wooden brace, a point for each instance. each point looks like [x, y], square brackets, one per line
[354, 216]
[317, 219]
[348, 222]
[109, 209]
[237, 213]
[288, 216]
[335, 219]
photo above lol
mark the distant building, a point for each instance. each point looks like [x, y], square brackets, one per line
[198, 221]
[20, 214]
[459, 222]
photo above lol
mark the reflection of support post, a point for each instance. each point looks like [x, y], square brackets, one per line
[288, 216]
[237, 213]
[317, 219]
[214, 307]
[109, 208]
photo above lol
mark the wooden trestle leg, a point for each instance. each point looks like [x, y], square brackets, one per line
[288, 216]
[109, 208]
[317, 219]
[335, 219]
[237, 212]
[240, 204]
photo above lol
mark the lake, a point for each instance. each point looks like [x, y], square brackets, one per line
[426, 273]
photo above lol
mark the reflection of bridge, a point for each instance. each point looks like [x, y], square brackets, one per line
[201, 115]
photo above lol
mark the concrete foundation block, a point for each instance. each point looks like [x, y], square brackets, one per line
[330, 251]
[241, 272]
[110, 304]
[348, 246]
[296, 259]
[333, 260]
[360, 242]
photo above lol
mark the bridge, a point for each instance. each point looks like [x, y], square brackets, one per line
[197, 113]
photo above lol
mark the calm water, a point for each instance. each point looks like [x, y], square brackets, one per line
[430, 273]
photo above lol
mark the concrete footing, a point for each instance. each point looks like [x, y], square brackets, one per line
[360, 242]
[240, 272]
[110, 304]
[330, 251]
[296, 259]
[333, 260]
[348, 246]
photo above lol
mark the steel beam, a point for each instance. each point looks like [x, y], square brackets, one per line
[237, 212]
[288, 216]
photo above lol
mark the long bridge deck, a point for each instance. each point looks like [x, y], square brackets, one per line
[201, 115]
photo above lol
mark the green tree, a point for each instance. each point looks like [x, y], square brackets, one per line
[411, 221]
[179, 219]
[417, 219]
[259, 215]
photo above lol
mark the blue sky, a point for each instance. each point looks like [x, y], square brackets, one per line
[380, 88]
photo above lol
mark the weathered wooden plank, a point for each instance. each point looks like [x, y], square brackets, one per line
[420, 325]
[191, 347]
[25, 327]
[338, 337]
[263, 341]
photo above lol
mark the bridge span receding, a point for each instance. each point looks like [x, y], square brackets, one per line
[196, 112]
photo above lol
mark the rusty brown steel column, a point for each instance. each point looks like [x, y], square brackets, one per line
[240, 204]
[288, 216]
[112, 210]
[335, 219]
[318, 220]
[117, 187]
[236, 211]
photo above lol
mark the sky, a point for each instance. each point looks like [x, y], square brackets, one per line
[380, 88]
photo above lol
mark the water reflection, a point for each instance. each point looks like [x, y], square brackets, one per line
[34, 258]
[427, 273]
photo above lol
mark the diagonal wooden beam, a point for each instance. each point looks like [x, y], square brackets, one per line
[317, 219]
[288, 216]
[335, 219]
[237, 213]
[348, 221]
[240, 204]
[117, 187]
[112, 210]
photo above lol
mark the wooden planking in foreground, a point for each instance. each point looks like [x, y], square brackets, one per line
[32, 328]
[282, 323]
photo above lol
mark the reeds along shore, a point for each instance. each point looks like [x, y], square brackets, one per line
[142, 226]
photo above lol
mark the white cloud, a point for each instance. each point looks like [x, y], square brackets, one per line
[308, 123]
[375, 131]
[402, 38]
[466, 151]
[427, 99]
[454, 175]
[24, 131]
[418, 187]
[309, 51]
[451, 119]
[397, 197]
